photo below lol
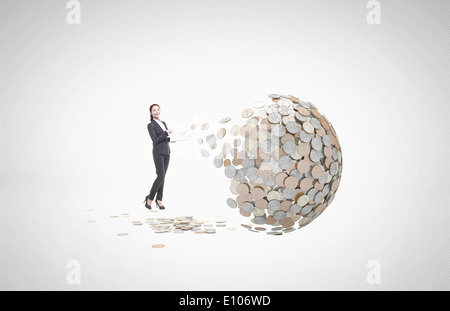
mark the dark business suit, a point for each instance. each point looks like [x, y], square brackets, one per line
[161, 157]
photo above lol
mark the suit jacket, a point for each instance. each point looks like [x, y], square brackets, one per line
[159, 138]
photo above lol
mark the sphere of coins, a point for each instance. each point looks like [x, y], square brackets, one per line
[289, 165]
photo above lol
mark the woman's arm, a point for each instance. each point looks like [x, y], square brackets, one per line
[155, 137]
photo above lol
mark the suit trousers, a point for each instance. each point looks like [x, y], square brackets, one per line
[161, 165]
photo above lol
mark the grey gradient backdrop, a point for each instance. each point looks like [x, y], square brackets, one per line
[74, 113]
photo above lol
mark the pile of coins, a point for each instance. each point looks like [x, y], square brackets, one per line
[183, 224]
[285, 162]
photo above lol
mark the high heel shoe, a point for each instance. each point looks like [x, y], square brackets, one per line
[161, 207]
[146, 205]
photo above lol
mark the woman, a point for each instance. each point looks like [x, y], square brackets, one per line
[159, 134]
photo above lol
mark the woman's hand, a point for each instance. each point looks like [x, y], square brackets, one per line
[169, 131]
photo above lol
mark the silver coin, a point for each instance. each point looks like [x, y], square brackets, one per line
[310, 214]
[323, 178]
[294, 209]
[314, 155]
[274, 233]
[333, 168]
[259, 105]
[289, 147]
[248, 207]
[284, 110]
[240, 175]
[231, 203]
[296, 173]
[315, 123]
[270, 162]
[200, 141]
[218, 162]
[330, 198]
[211, 139]
[288, 193]
[312, 194]
[274, 205]
[304, 104]
[122, 234]
[247, 162]
[301, 118]
[326, 140]
[277, 228]
[335, 154]
[312, 105]
[230, 171]
[279, 215]
[266, 147]
[285, 162]
[305, 137]
[225, 120]
[278, 130]
[319, 197]
[274, 96]
[326, 189]
[316, 143]
[288, 230]
[260, 220]
[270, 181]
[307, 209]
[221, 225]
[252, 173]
[293, 127]
[205, 153]
[274, 118]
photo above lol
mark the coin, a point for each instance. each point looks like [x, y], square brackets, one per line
[205, 126]
[230, 171]
[259, 105]
[274, 118]
[231, 203]
[218, 162]
[205, 153]
[224, 120]
[291, 182]
[247, 113]
[122, 234]
[274, 96]
[221, 133]
[293, 127]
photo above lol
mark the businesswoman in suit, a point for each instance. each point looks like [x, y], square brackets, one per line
[159, 133]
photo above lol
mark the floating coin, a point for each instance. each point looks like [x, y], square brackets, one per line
[247, 113]
[274, 96]
[224, 120]
[221, 133]
[211, 139]
[259, 105]
[218, 161]
[231, 203]
[230, 171]
[205, 153]
[122, 234]
[193, 127]
[205, 126]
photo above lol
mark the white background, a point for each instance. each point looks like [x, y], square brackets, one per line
[75, 104]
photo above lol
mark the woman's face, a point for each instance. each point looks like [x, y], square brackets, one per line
[155, 112]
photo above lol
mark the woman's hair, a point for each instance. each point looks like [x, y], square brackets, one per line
[151, 107]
